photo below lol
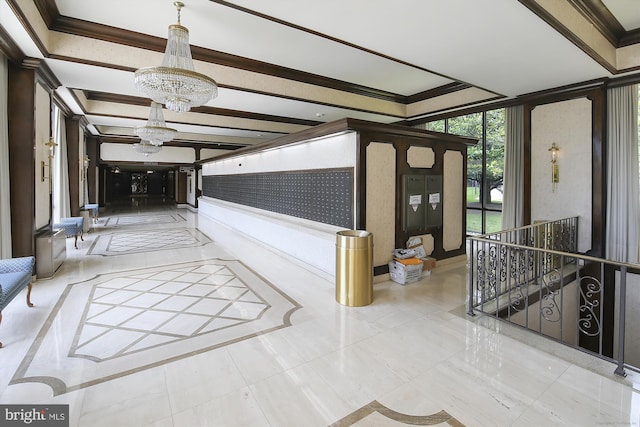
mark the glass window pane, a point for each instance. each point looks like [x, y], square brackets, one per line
[474, 221]
[493, 221]
[437, 126]
[485, 167]
[473, 193]
[494, 166]
[471, 126]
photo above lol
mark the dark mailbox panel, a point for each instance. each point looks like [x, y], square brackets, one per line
[421, 202]
[413, 214]
[433, 206]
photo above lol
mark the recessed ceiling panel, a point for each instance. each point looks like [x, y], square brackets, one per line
[511, 52]
[627, 12]
[229, 30]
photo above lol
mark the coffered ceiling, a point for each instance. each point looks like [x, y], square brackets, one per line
[285, 65]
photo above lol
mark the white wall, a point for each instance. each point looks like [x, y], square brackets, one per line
[334, 151]
[208, 153]
[312, 243]
[568, 124]
[126, 153]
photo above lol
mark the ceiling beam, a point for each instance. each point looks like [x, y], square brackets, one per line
[57, 22]
[135, 100]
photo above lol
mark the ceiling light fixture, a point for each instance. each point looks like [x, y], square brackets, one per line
[156, 130]
[175, 83]
[146, 148]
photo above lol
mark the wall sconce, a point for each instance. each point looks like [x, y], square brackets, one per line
[51, 145]
[555, 168]
[85, 163]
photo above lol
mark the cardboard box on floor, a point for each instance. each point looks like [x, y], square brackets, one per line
[428, 263]
[406, 270]
[416, 243]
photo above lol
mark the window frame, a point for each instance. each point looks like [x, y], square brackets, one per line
[483, 209]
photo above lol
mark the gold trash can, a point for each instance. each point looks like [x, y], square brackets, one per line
[354, 268]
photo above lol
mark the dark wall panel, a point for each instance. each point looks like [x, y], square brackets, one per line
[320, 195]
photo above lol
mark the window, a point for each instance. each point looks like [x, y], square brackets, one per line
[438, 126]
[485, 166]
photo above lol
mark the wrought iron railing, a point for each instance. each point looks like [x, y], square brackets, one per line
[534, 277]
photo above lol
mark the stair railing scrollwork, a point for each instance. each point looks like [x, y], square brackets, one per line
[535, 277]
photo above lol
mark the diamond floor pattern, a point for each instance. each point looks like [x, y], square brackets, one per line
[147, 240]
[144, 219]
[132, 313]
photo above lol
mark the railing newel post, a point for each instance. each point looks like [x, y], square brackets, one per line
[471, 275]
[621, 320]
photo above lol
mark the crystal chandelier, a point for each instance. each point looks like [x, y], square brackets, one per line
[146, 148]
[156, 130]
[175, 83]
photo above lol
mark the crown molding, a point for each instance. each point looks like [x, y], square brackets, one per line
[9, 48]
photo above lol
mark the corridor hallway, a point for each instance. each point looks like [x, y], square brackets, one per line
[160, 318]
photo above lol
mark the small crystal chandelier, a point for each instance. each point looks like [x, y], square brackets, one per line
[146, 148]
[175, 83]
[156, 130]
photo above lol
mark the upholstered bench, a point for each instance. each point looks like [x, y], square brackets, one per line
[94, 208]
[72, 226]
[15, 274]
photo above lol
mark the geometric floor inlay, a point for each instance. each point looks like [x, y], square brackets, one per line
[376, 414]
[143, 219]
[145, 241]
[143, 318]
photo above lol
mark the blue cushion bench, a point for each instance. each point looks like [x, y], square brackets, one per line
[72, 226]
[94, 208]
[15, 274]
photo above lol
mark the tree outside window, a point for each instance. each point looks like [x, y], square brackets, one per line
[485, 166]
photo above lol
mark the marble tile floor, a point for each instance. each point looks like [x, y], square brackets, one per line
[146, 240]
[411, 358]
